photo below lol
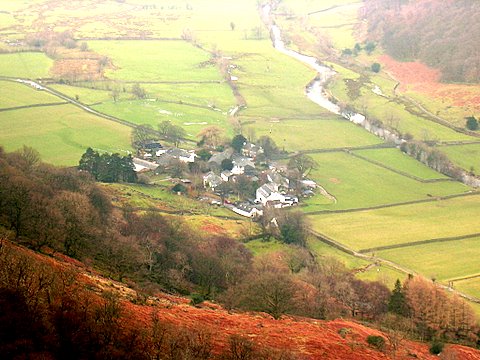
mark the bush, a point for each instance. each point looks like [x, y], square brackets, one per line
[197, 299]
[375, 67]
[436, 347]
[377, 342]
[472, 123]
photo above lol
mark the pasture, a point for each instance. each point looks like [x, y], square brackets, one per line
[321, 133]
[191, 118]
[30, 65]
[442, 261]
[356, 183]
[399, 161]
[160, 61]
[465, 156]
[401, 224]
[13, 94]
[61, 133]
[469, 286]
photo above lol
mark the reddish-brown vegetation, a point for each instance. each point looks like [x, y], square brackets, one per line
[417, 77]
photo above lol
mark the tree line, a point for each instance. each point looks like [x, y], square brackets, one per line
[440, 34]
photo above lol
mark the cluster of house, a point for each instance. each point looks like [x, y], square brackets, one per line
[153, 155]
[275, 191]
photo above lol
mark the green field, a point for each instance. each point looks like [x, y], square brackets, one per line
[149, 196]
[25, 65]
[470, 286]
[86, 95]
[465, 156]
[296, 135]
[191, 118]
[397, 160]
[140, 61]
[442, 261]
[61, 133]
[357, 183]
[14, 94]
[401, 224]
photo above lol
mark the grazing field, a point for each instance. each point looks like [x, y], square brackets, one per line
[356, 183]
[465, 156]
[25, 65]
[469, 286]
[86, 95]
[191, 118]
[401, 224]
[442, 261]
[13, 94]
[158, 61]
[397, 160]
[61, 133]
[266, 89]
[296, 135]
[215, 95]
[161, 197]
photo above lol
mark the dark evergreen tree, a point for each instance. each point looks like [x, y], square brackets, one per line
[398, 302]
[238, 142]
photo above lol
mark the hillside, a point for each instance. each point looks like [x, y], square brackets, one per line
[117, 320]
[441, 34]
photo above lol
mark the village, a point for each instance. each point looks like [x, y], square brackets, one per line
[241, 175]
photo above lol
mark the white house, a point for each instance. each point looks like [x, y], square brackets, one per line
[246, 209]
[212, 180]
[239, 164]
[268, 193]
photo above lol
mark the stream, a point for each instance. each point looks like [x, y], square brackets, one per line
[315, 91]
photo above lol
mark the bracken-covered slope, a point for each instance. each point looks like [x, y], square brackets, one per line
[442, 34]
[300, 338]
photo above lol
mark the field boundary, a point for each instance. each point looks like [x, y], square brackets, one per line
[33, 106]
[329, 241]
[400, 172]
[412, 202]
[417, 243]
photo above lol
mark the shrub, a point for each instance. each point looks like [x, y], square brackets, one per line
[197, 299]
[377, 342]
[376, 67]
[436, 347]
[472, 123]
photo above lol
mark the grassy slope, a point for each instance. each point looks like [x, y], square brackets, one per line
[395, 159]
[452, 259]
[15, 94]
[321, 133]
[61, 133]
[357, 184]
[401, 224]
[159, 61]
[465, 156]
[25, 65]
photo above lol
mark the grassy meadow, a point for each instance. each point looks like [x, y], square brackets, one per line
[13, 94]
[465, 156]
[32, 65]
[401, 224]
[321, 133]
[159, 61]
[356, 183]
[452, 259]
[397, 160]
[61, 133]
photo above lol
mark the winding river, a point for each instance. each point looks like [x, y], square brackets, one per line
[315, 90]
